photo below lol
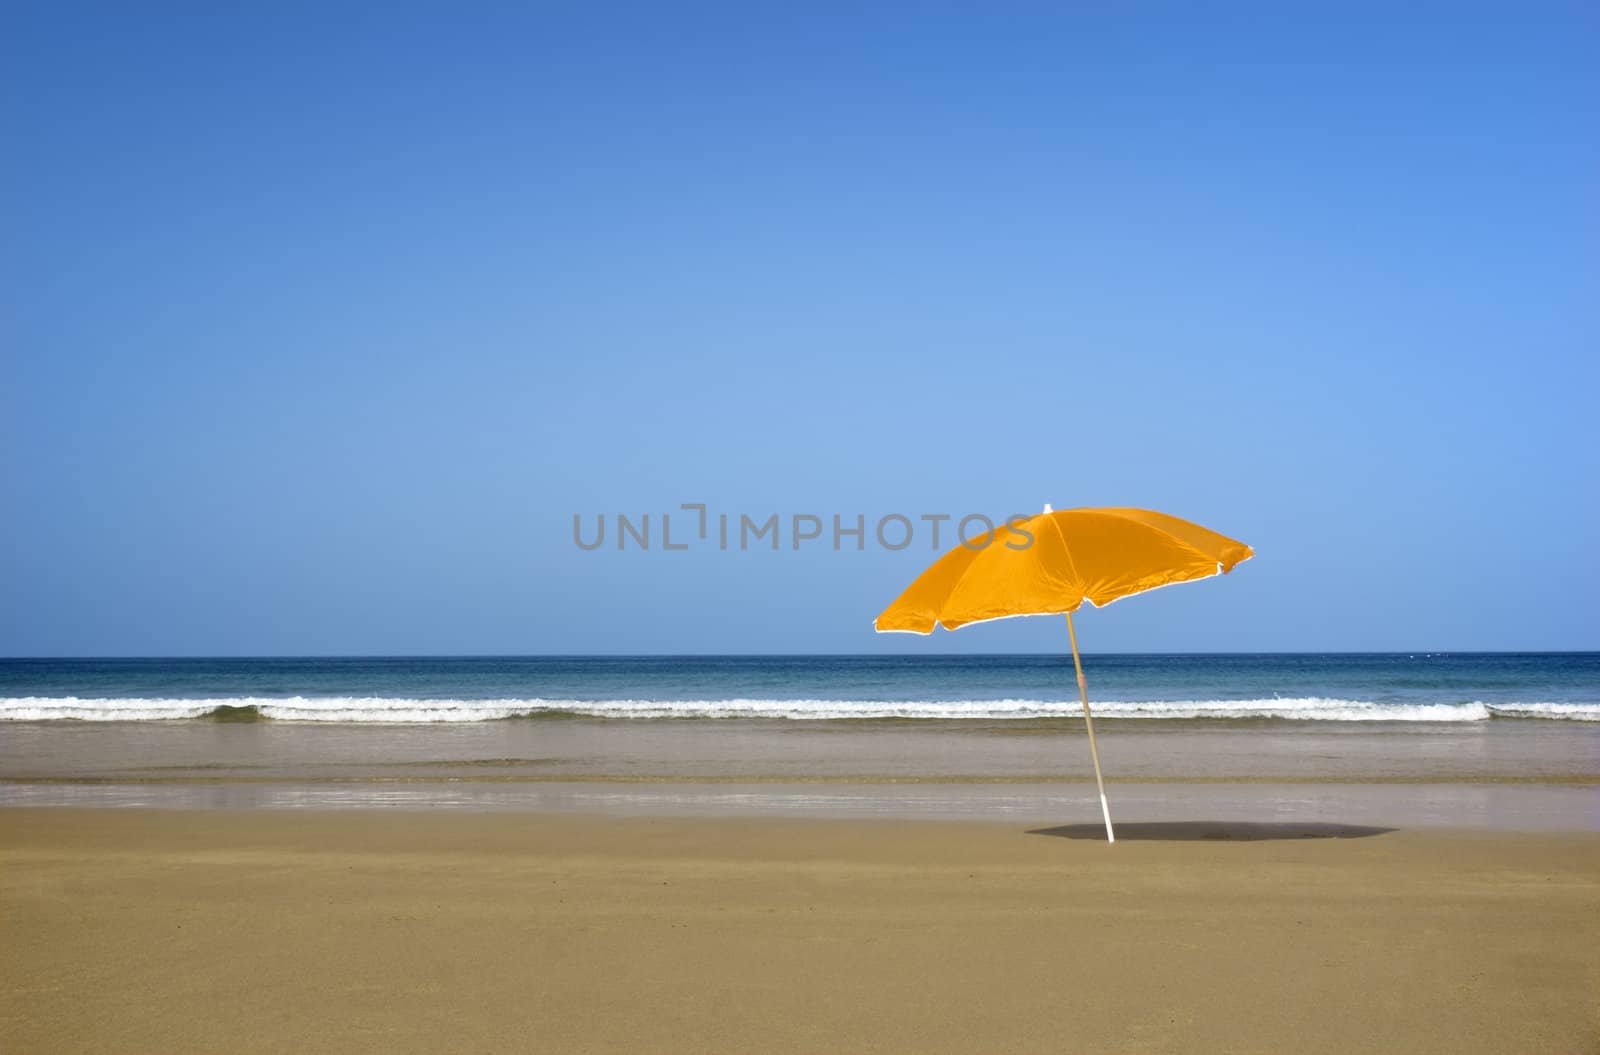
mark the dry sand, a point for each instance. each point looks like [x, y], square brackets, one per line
[369, 931]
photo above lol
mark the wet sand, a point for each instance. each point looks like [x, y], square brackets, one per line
[1527, 776]
[379, 931]
[582, 749]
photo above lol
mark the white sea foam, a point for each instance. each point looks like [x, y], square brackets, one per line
[44, 708]
[396, 710]
[1576, 712]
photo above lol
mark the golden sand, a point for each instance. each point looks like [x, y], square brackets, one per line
[372, 931]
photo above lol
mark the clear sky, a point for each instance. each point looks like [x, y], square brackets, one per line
[318, 328]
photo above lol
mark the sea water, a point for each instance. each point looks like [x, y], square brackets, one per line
[1407, 687]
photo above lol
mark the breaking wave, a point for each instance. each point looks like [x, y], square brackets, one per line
[355, 709]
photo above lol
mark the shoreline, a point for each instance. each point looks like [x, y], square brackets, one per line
[764, 748]
[1499, 776]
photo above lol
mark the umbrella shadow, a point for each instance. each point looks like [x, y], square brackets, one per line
[1214, 831]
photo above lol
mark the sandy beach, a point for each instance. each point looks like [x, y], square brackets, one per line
[369, 931]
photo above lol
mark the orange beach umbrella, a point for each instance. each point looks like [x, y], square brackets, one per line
[1049, 565]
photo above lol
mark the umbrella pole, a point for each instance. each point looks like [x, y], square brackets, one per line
[1088, 720]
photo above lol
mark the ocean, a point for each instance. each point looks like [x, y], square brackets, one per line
[1408, 687]
[1466, 739]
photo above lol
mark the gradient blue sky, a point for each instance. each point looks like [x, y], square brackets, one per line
[319, 327]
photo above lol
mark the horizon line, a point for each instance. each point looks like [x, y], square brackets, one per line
[794, 655]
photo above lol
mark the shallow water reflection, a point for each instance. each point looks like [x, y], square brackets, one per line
[1506, 807]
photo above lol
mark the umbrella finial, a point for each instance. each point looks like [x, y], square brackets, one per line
[1048, 508]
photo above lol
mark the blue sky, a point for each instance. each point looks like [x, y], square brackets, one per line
[318, 328]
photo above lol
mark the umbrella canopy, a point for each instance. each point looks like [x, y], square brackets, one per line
[1049, 565]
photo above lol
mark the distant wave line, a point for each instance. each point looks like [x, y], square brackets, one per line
[390, 710]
